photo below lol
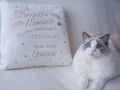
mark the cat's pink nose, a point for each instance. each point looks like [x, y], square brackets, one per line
[93, 50]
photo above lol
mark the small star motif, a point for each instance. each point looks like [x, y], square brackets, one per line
[6, 67]
[15, 61]
[25, 56]
[70, 62]
[22, 43]
[59, 23]
[3, 57]
[61, 52]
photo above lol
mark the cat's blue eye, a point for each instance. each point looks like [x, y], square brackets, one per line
[99, 46]
[87, 45]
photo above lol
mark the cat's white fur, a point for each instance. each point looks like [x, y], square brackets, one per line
[95, 71]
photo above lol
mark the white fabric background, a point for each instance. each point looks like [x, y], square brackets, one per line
[87, 15]
[82, 15]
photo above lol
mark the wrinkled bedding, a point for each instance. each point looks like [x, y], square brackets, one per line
[45, 78]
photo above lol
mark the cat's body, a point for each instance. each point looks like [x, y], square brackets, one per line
[95, 70]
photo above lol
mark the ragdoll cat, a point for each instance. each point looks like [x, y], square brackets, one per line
[96, 61]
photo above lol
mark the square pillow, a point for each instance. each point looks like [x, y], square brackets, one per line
[33, 35]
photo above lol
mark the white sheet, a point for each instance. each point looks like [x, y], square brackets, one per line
[91, 16]
[45, 78]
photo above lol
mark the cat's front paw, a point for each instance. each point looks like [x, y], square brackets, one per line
[98, 85]
[83, 83]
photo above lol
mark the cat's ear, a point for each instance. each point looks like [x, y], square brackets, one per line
[85, 36]
[105, 38]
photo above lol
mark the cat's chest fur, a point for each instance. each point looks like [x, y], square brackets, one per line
[103, 67]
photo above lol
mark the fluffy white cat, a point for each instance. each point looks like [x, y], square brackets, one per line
[96, 61]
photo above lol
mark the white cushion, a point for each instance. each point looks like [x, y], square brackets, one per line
[33, 35]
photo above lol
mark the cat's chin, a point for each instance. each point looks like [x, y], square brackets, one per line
[94, 55]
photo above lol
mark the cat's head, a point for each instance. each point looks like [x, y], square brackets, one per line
[95, 46]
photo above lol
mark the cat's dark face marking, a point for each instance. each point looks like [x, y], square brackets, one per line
[99, 45]
[95, 45]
